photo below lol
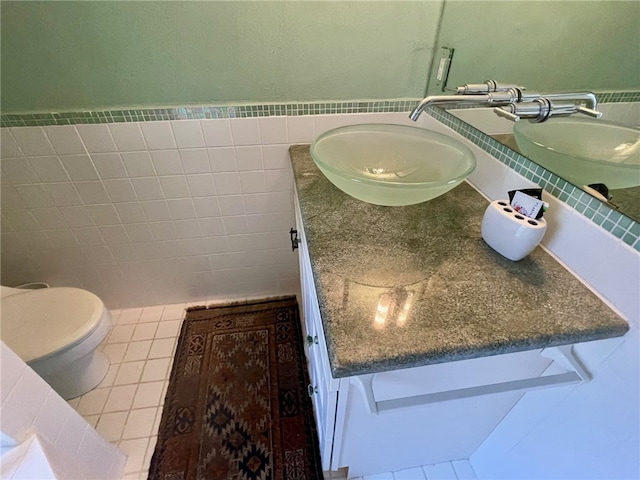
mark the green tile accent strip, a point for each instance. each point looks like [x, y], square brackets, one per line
[601, 214]
[208, 112]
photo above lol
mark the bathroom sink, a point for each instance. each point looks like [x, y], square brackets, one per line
[583, 151]
[391, 165]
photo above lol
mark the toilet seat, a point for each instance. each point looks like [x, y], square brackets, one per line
[51, 320]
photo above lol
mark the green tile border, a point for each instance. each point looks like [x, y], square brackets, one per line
[619, 225]
[207, 112]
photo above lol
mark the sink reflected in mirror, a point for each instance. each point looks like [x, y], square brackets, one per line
[391, 165]
[624, 115]
[583, 151]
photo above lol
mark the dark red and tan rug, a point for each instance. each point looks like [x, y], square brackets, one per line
[237, 404]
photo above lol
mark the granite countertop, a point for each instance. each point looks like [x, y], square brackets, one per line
[448, 295]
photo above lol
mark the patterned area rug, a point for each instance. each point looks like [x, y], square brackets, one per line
[237, 404]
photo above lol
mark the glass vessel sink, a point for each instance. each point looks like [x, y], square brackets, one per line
[583, 151]
[391, 165]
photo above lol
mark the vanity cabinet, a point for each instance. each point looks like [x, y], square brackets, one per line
[420, 337]
[396, 419]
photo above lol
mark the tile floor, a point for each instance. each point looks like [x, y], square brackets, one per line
[126, 407]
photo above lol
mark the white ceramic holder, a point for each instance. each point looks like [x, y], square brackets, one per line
[510, 233]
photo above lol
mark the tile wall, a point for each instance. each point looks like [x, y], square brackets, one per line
[29, 406]
[145, 213]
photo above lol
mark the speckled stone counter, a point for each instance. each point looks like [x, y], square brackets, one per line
[400, 287]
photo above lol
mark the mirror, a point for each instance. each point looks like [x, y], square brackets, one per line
[545, 46]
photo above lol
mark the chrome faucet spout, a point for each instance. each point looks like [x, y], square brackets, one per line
[498, 98]
[588, 97]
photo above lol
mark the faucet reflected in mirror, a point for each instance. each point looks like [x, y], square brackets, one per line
[586, 165]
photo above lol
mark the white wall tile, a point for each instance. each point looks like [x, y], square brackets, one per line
[167, 162]
[201, 185]
[231, 205]
[181, 208]
[158, 135]
[227, 183]
[195, 160]
[156, 210]
[276, 156]
[127, 136]
[300, 129]
[130, 212]
[9, 148]
[79, 167]
[188, 133]
[175, 186]
[92, 192]
[245, 131]
[249, 158]
[217, 132]
[120, 190]
[273, 130]
[49, 217]
[97, 138]
[222, 159]
[49, 169]
[35, 195]
[63, 194]
[114, 234]
[147, 188]
[88, 236]
[18, 171]
[207, 206]
[65, 139]
[138, 164]
[253, 182]
[103, 214]
[32, 141]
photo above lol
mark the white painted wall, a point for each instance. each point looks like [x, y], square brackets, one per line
[30, 406]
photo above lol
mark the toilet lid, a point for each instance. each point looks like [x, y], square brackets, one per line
[44, 321]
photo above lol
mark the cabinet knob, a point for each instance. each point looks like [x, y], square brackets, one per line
[311, 390]
[312, 340]
[294, 239]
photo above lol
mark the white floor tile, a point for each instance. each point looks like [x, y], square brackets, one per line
[115, 351]
[168, 329]
[144, 331]
[173, 312]
[93, 402]
[464, 470]
[156, 369]
[409, 474]
[440, 471]
[129, 372]
[110, 425]
[120, 398]
[139, 423]
[137, 351]
[162, 348]
[135, 450]
[379, 476]
[148, 395]
[121, 334]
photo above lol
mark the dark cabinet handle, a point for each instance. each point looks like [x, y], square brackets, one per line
[294, 239]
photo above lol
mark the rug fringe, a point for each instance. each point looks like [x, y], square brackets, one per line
[243, 302]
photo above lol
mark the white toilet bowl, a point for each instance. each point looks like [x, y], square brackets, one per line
[56, 332]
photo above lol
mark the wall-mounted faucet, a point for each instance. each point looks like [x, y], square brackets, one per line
[514, 102]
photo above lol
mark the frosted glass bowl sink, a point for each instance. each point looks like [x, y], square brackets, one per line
[583, 151]
[391, 165]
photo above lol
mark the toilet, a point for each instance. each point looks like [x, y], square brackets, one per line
[56, 331]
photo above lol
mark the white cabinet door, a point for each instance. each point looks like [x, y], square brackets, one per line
[323, 388]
